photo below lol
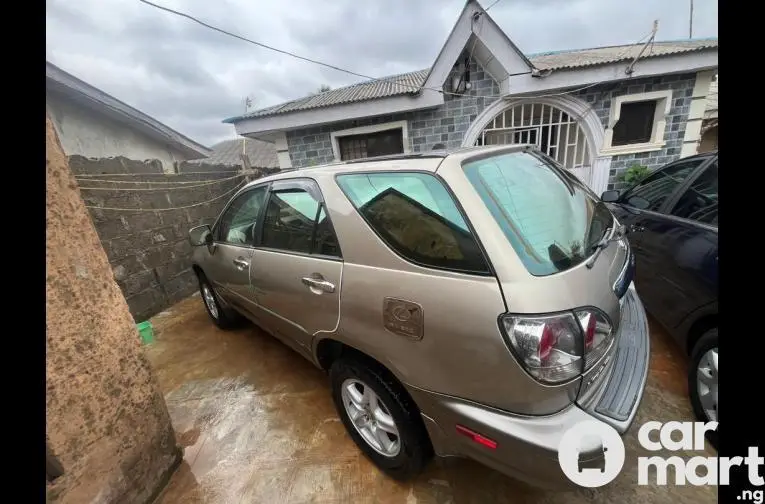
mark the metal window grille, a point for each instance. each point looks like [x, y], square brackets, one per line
[354, 147]
[552, 130]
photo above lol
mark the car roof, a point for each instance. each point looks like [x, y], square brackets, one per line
[428, 161]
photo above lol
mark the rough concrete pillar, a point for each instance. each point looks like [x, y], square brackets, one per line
[107, 422]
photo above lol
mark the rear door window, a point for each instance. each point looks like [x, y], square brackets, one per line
[295, 221]
[699, 201]
[417, 217]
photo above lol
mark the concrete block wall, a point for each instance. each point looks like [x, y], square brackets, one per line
[445, 125]
[599, 97]
[149, 250]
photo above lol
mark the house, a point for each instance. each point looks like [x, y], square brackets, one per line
[596, 111]
[709, 124]
[228, 155]
[93, 124]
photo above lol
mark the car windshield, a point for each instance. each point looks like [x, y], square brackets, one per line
[551, 220]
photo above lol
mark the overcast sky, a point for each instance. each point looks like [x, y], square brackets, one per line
[191, 78]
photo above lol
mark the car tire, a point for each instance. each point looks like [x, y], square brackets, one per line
[414, 448]
[704, 363]
[222, 317]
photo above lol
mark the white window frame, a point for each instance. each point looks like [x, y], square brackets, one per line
[663, 101]
[366, 130]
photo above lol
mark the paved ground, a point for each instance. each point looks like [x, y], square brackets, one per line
[258, 425]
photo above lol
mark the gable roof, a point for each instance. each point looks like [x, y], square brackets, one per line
[410, 83]
[261, 154]
[66, 84]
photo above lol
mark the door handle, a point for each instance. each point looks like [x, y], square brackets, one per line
[241, 264]
[319, 284]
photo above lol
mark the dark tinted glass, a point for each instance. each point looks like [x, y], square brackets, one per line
[699, 202]
[296, 222]
[417, 217]
[289, 221]
[653, 191]
[325, 242]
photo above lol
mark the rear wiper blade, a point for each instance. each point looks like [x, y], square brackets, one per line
[618, 234]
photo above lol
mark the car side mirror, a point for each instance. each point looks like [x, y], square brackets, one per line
[200, 235]
[610, 196]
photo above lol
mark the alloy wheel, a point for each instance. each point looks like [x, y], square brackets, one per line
[209, 298]
[370, 417]
[706, 383]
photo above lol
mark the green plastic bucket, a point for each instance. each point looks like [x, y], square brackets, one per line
[146, 331]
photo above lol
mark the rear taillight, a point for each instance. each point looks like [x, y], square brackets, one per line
[549, 347]
[557, 348]
[598, 334]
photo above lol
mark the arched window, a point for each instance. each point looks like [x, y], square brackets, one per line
[552, 130]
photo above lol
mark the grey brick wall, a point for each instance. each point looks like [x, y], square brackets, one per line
[149, 250]
[427, 128]
[448, 123]
[599, 97]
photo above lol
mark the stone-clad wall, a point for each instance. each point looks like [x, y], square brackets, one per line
[448, 123]
[599, 97]
[149, 250]
[427, 128]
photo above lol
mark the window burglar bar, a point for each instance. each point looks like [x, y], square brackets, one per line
[552, 130]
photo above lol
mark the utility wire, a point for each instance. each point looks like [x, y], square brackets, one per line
[172, 208]
[166, 188]
[288, 53]
[87, 175]
[265, 46]
[176, 185]
[492, 5]
[351, 72]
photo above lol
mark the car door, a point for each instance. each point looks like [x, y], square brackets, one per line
[296, 268]
[687, 278]
[227, 266]
[641, 210]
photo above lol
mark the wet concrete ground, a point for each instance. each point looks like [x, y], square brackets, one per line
[258, 425]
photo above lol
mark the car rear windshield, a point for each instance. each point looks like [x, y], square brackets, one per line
[549, 217]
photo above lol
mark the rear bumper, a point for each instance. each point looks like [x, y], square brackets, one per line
[527, 446]
[616, 400]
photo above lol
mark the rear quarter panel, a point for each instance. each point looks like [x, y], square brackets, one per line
[462, 353]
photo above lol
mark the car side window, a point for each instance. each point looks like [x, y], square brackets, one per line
[237, 226]
[296, 222]
[653, 191]
[415, 216]
[699, 201]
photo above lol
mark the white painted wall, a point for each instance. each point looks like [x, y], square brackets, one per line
[86, 133]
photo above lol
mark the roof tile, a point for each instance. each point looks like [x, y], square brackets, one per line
[409, 83]
[262, 154]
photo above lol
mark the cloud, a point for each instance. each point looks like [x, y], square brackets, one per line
[191, 78]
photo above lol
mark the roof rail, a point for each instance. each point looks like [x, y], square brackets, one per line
[393, 157]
